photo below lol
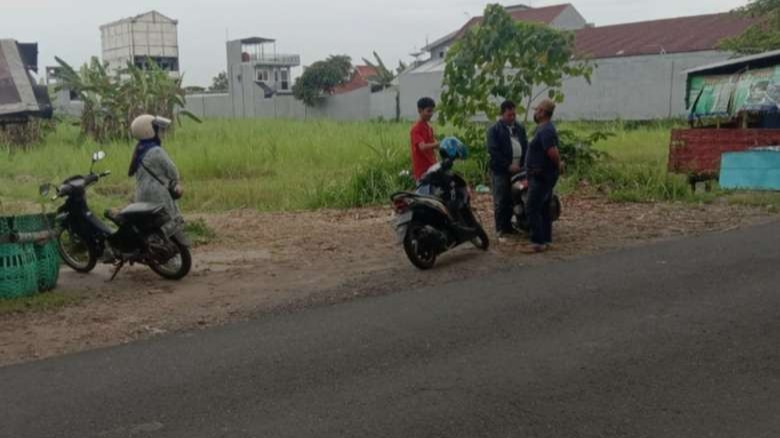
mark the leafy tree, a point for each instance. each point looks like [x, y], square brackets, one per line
[761, 37]
[321, 78]
[219, 82]
[504, 59]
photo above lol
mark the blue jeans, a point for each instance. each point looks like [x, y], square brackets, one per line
[540, 194]
[502, 201]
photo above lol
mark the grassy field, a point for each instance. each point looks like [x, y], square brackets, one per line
[265, 165]
[271, 165]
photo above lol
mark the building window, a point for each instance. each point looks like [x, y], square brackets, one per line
[263, 76]
[164, 63]
[285, 80]
[441, 54]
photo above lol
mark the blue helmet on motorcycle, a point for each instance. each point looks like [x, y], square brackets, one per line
[454, 148]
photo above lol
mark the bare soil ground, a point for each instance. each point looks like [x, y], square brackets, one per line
[270, 262]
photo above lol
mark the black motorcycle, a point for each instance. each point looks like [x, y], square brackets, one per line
[520, 201]
[429, 224]
[144, 234]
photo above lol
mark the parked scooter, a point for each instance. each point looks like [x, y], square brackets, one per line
[145, 233]
[438, 217]
[520, 201]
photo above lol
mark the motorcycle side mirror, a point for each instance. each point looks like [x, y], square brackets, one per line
[98, 156]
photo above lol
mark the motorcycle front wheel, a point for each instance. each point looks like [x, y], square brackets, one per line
[79, 254]
[419, 253]
[177, 267]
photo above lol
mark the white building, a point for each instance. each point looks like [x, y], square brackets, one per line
[640, 67]
[135, 40]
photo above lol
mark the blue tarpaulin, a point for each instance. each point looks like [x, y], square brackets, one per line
[757, 169]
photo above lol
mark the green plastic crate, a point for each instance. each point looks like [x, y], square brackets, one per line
[32, 223]
[5, 227]
[48, 259]
[26, 269]
[18, 271]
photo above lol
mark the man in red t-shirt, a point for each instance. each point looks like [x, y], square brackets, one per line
[424, 144]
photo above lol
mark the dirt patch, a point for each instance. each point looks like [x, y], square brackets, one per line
[264, 262]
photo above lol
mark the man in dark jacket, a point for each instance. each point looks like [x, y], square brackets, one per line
[507, 144]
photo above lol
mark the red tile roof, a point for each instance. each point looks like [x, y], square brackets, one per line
[365, 71]
[359, 79]
[675, 35]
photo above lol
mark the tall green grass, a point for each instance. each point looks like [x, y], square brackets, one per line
[259, 164]
[272, 165]
[635, 169]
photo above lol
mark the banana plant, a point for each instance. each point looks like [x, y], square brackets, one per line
[113, 99]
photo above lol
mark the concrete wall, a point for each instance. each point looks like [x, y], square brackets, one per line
[635, 88]
[356, 105]
[215, 106]
[64, 106]
[383, 104]
[632, 88]
[413, 86]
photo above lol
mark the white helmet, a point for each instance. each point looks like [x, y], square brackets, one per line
[142, 127]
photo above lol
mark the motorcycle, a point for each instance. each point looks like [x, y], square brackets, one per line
[429, 224]
[144, 234]
[520, 201]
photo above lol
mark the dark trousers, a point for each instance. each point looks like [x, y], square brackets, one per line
[540, 193]
[502, 201]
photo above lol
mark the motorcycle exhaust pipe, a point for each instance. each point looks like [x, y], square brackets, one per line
[39, 237]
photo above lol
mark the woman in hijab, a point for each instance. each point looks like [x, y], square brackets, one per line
[157, 179]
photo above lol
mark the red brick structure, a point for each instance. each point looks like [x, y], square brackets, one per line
[697, 152]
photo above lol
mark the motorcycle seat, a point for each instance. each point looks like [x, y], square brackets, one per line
[141, 209]
[114, 216]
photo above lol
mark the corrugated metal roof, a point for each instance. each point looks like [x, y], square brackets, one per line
[736, 61]
[674, 35]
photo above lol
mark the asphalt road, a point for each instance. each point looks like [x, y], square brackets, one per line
[680, 339]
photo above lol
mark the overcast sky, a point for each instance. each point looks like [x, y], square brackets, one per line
[312, 28]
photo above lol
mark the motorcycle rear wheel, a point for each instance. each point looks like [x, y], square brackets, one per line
[482, 241]
[417, 251]
[555, 208]
[177, 267]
